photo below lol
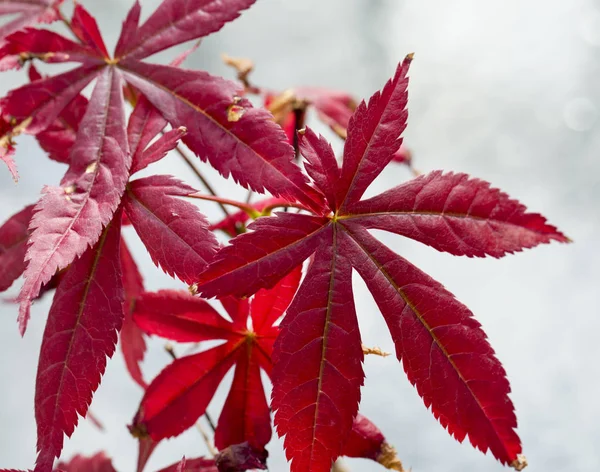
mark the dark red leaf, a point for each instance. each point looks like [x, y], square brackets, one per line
[318, 364]
[262, 257]
[374, 136]
[69, 218]
[96, 463]
[175, 233]
[443, 349]
[146, 446]
[320, 163]
[245, 144]
[13, 246]
[144, 125]
[194, 465]
[366, 441]
[175, 22]
[133, 345]
[241, 457]
[81, 332]
[456, 214]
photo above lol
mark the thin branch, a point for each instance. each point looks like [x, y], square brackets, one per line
[202, 179]
[225, 201]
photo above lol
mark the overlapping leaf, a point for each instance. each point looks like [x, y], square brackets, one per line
[13, 245]
[180, 394]
[29, 12]
[443, 350]
[96, 463]
[86, 314]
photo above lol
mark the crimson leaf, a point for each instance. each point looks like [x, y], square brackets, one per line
[96, 463]
[13, 245]
[181, 393]
[81, 331]
[443, 350]
[29, 11]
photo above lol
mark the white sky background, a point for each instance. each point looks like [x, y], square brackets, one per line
[505, 91]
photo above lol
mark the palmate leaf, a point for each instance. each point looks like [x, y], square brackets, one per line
[96, 463]
[174, 232]
[86, 314]
[182, 391]
[442, 348]
[69, 218]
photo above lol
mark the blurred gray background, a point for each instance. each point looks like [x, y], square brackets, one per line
[506, 91]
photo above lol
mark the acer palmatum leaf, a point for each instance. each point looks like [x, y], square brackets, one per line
[29, 12]
[193, 465]
[68, 219]
[333, 107]
[263, 256]
[58, 139]
[456, 214]
[246, 145]
[85, 27]
[96, 463]
[373, 136]
[366, 441]
[447, 211]
[317, 370]
[133, 345]
[14, 234]
[443, 349]
[145, 123]
[81, 332]
[175, 233]
[175, 22]
[31, 43]
[180, 394]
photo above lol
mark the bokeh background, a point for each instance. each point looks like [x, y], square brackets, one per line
[506, 91]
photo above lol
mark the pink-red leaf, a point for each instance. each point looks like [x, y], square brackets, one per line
[334, 108]
[175, 22]
[42, 101]
[133, 345]
[259, 259]
[223, 128]
[174, 232]
[70, 218]
[13, 246]
[81, 332]
[443, 349]
[456, 214]
[374, 136]
[58, 139]
[318, 364]
[30, 12]
[144, 125]
[96, 463]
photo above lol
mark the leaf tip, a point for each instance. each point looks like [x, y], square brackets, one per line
[519, 463]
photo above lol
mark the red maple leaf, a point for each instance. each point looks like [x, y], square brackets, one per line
[246, 144]
[180, 394]
[317, 372]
